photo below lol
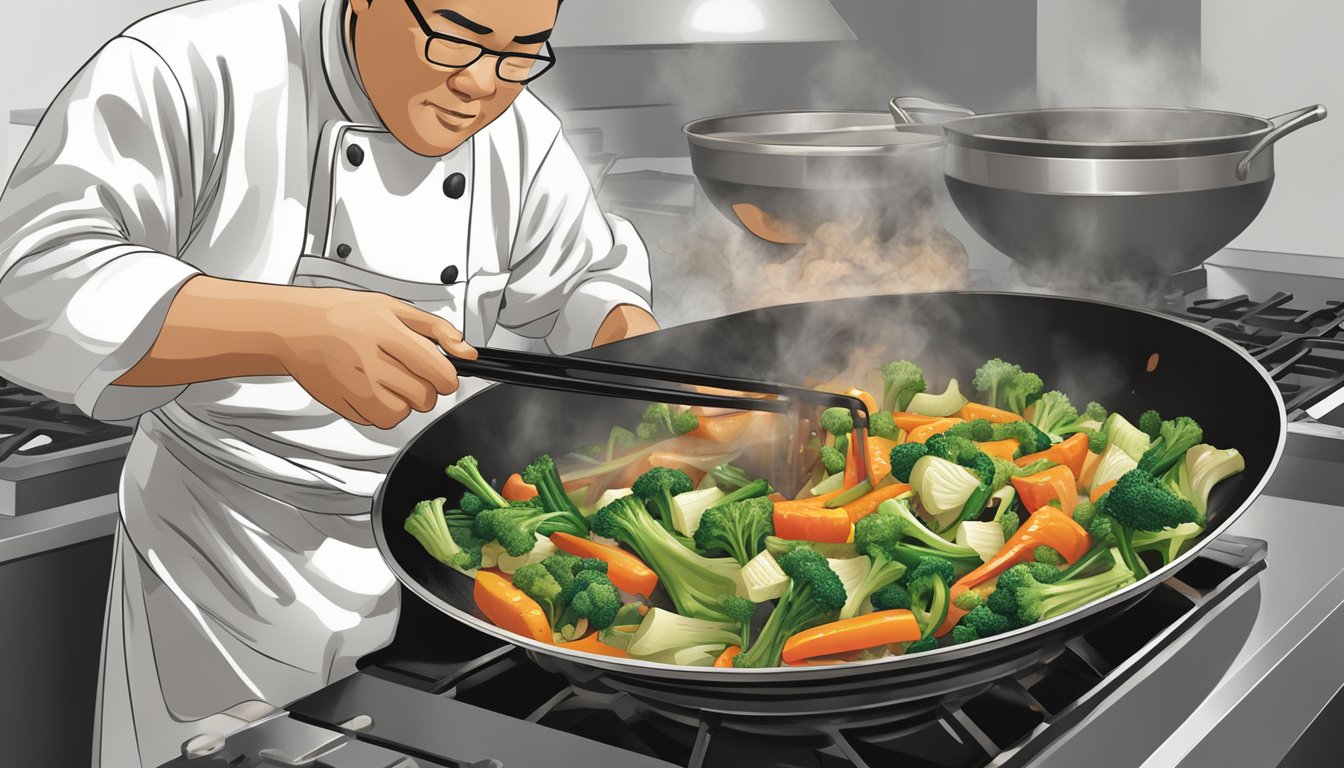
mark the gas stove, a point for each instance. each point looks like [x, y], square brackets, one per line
[51, 454]
[1226, 663]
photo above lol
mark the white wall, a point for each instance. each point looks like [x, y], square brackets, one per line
[44, 42]
[1267, 57]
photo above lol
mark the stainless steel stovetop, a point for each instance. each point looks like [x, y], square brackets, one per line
[1232, 662]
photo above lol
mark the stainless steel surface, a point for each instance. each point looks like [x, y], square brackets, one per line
[28, 117]
[1087, 176]
[1283, 125]
[57, 527]
[911, 110]
[608, 24]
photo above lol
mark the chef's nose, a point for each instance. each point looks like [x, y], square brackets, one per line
[479, 81]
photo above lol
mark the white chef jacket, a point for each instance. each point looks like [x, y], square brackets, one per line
[232, 138]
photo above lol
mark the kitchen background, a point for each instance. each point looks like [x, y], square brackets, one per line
[625, 85]
[627, 82]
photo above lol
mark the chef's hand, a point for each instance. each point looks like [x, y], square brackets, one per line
[624, 322]
[371, 358]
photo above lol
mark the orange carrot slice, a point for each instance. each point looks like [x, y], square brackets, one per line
[725, 659]
[867, 631]
[1003, 449]
[626, 571]
[867, 504]
[909, 422]
[508, 608]
[920, 434]
[815, 523]
[1072, 453]
[973, 411]
[1101, 490]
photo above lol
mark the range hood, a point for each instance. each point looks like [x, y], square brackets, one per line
[629, 23]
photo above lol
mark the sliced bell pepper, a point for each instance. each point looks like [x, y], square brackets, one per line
[725, 659]
[1047, 526]
[973, 411]
[626, 571]
[591, 644]
[867, 631]
[867, 504]
[1101, 490]
[909, 422]
[920, 434]
[507, 607]
[516, 490]
[1038, 490]
[1089, 469]
[722, 429]
[879, 457]
[777, 497]
[868, 401]
[815, 523]
[1003, 449]
[1072, 453]
[852, 466]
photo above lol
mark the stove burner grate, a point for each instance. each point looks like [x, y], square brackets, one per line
[32, 425]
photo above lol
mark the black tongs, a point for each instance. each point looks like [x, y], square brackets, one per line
[660, 385]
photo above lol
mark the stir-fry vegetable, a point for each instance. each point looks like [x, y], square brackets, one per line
[670, 542]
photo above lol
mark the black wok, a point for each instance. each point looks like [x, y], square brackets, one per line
[1089, 350]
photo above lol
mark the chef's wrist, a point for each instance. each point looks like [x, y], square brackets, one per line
[624, 322]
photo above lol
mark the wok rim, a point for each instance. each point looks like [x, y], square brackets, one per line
[958, 128]
[709, 141]
[830, 672]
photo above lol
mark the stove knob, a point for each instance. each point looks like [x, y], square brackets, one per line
[202, 745]
[455, 186]
[355, 154]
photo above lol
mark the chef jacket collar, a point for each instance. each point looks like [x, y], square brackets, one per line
[342, 75]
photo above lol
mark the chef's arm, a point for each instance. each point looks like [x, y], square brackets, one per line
[578, 277]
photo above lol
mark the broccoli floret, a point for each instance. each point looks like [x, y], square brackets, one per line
[815, 596]
[691, 581]
[472, 505]
[468, 472]
[929, 583]
[740, 611]
[1140, 502]
[901, 381]
[882, 425]
[964, 634]
[985, 622]
[657, 487]
[832, 460]
[1046, 573]
[1083, 512]
[1035, 600]
[1053, 411]
[892, 597]
[660, 416]
[428, 524]
[516, 527]
[543, 475]
[1047, 556]
[738, 528]
[920, 646]
[837, 421]
[975, 430]
[648, 431]
[684, 422]
[1150, 423]
[1096, 440]
[1174, 438]
[1008, 519]
[590, 596]
[968, 600]
[959, 450]
[1030, 439]
[619, 441]
[1007, 386]
[537, 582]
[903, 458]
[893, 521]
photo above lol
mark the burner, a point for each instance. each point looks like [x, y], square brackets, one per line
[1303, 349]
[32, 425]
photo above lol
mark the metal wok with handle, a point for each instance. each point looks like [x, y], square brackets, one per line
[1128, 359]
[1112, 192]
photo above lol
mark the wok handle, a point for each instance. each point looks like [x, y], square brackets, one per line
[1283, 125]
[901, 108]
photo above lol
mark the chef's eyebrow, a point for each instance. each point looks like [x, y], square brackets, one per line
[536, 37]
[465, 23]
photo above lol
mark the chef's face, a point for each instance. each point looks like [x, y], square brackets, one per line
[433, 109]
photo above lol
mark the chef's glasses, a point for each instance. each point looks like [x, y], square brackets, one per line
[456, 53]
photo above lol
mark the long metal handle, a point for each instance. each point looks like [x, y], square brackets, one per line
[642, 382]
[1283, 125]
[902, 106]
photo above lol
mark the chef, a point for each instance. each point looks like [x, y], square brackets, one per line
[256, 227]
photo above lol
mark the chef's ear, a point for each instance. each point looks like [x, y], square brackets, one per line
[360, 6]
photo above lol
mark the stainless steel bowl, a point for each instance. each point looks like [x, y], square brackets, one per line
[1139, 192]
[779, 175]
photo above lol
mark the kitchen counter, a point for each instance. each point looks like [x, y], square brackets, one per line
[55, 528]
